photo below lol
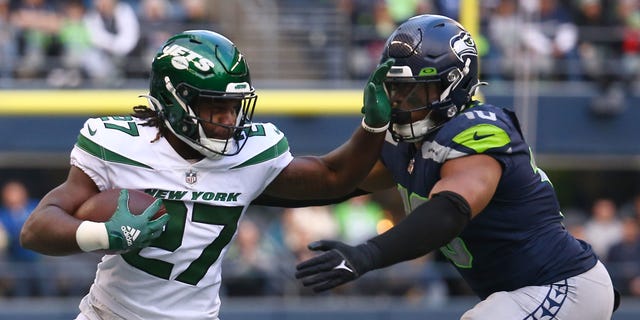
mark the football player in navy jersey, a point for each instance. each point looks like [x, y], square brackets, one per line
[470, 188]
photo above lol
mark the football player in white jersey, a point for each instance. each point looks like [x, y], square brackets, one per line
[195, 148]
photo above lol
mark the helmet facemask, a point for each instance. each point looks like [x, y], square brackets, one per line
[409, 96]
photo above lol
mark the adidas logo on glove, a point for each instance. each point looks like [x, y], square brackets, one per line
[130, 234]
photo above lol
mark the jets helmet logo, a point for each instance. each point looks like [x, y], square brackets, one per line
[462, 45]
[182, 58]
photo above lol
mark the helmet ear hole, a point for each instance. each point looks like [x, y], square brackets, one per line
[188, 129]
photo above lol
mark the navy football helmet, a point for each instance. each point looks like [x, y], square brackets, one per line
[435, 71]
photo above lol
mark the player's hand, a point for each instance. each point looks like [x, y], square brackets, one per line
[127, 231]
[340, 263]
[377, 109]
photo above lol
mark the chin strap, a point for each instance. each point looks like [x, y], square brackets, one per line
[154, 103]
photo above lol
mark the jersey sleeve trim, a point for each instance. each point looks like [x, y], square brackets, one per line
[271, 153]
[482, 137]
[105, 154]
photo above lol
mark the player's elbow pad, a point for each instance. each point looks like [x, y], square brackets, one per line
[430, 226]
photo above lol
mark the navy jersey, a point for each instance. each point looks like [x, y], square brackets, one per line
[518, 240]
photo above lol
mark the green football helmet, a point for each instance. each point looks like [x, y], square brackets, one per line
[195, 65]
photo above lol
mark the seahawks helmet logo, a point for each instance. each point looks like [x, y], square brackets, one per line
[462, 45]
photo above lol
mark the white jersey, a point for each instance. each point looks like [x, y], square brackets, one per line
[178, 276]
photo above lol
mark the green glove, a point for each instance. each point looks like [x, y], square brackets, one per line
[127, 231]
[377, 109]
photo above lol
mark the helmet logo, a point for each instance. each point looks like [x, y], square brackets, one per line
[180, 63]
[428, 71]
[462, 44]
[182, 58]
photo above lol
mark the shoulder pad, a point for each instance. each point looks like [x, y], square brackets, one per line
[477, 130]
[265, 142]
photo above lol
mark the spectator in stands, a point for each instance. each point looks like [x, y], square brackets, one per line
[419, 280]
[196, 15]
[603, 228]
[250, 268]
[298, 230]
[631, 208]
[504, 35]
[623, 259]
[7, 45]
[159, 22]
[78, 56]
[372, 22]
[115, 30]
[6, 279]
[600, 53]
[629, 11]
[574, 221]
[36, 40]
[29, 279]
[551, 39]
[301, 225]
[364, 40]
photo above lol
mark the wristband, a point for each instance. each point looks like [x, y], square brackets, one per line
[92, 236]
[372, 129]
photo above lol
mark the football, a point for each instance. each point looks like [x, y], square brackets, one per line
[101, 206]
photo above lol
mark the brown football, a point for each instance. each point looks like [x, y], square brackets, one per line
[101, 206]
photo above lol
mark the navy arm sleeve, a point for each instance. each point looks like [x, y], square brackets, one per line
[430, 226]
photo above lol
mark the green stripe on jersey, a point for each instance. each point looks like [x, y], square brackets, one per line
[482, 137]
[275, 151]
[105, 154]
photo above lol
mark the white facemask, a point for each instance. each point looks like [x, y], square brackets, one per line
[414, 132]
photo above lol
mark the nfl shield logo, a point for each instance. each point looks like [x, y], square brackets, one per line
[191, 176]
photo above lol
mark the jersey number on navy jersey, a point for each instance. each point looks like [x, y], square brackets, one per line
[457, 252]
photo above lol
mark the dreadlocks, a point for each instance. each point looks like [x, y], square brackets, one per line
[152, 118]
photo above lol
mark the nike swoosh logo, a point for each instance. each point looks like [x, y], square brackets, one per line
[91, 131]
[480, 137]
[343, 265]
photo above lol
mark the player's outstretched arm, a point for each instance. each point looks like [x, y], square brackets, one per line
[339, 172]
[467, 185]
[428, 227]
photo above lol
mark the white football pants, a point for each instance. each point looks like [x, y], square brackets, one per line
[587, 296]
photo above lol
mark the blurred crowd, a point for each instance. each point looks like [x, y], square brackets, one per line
[562, 39]
[104, 41]
[596, 41]
[271, 241]
[107, 41]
